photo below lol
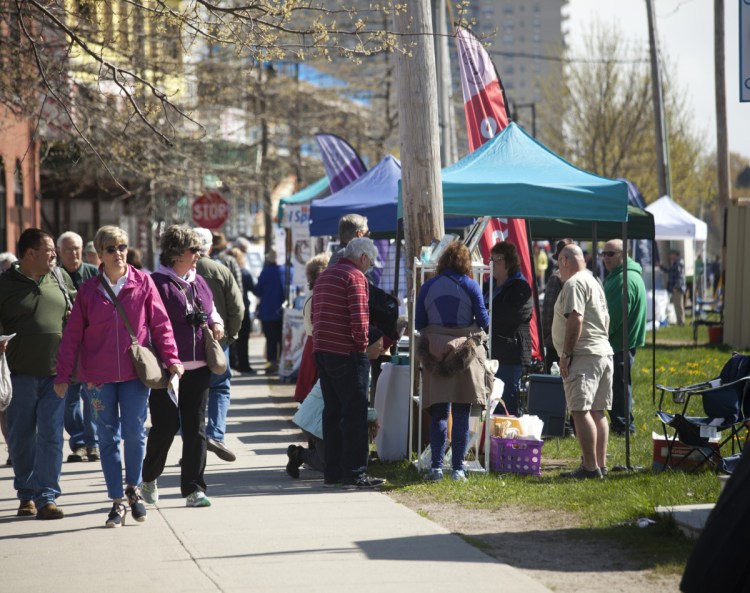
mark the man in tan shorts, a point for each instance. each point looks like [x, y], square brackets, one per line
[580, 336]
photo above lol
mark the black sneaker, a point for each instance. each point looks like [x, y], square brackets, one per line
[605, 471]
[135, 500]
[295, 461]
[116, 516]
[363, 482]
[581, 473]
[78, 454]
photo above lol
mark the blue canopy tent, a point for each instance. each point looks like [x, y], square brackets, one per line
[374, 194]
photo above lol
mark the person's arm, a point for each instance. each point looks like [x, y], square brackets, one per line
[573, 328]
[160, 328]
[359, 312]
[67, 351]
[481, 317]
[235, 308]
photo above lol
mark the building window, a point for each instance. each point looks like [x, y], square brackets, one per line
[508, 39]
[18, 184]
[508, 70]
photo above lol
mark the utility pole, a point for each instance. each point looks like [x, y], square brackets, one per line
[421, 182]
[448, 151]
[722, 143]
[660, 124]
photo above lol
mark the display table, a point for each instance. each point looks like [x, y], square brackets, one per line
[392, 405]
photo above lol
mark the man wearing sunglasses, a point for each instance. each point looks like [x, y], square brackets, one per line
[79, 420]
[614, 256]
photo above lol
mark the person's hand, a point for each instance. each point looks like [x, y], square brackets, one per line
[375, 350]
[177, 369]
[3, 347]
[218, 331]
[60, 389]
[564, 367]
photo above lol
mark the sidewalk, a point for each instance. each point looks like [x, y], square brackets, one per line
[264, 532]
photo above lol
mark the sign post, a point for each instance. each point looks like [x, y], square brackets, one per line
[210, 210]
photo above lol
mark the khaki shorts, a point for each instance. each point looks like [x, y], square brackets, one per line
[589, 383]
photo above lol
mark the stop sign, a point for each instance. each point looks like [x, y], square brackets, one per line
[210, 210]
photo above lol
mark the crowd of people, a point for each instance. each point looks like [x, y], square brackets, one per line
[76, 321]
[75, 312]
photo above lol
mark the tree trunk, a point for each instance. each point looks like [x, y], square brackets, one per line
[421, 183]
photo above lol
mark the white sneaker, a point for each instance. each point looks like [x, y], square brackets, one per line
[149, 492]
[458, 475]
[197, 499]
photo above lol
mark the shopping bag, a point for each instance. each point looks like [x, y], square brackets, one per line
[6, 387]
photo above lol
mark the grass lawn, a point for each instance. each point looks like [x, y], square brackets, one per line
[605, 505]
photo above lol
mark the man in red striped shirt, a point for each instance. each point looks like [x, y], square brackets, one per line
[340, 318]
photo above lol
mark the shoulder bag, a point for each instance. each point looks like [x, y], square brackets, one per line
[144, 358]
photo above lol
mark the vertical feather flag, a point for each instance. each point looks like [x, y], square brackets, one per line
[341, 161]
[486, 109]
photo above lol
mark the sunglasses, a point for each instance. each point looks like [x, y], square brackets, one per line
[112, 249]
[610, 253]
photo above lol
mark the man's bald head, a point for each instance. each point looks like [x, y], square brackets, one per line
[571, 261]
[613, 254]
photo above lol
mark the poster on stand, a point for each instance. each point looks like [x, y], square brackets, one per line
[297, 220]
[292, 343]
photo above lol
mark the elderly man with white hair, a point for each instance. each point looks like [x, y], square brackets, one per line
[79, 419]
[580, 336]
[341, 316]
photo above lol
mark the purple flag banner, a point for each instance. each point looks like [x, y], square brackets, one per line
[341, 161]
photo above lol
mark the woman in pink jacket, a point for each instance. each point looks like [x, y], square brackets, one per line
[96, 343]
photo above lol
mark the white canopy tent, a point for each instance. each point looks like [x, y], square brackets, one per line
[673, 223]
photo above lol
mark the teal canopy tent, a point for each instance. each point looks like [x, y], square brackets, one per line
[318, 189]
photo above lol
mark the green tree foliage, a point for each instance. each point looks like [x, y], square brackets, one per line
[606, 111]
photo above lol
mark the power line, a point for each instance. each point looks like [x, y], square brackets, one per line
[564, 60]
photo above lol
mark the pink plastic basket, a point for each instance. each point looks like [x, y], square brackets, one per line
[516, 456]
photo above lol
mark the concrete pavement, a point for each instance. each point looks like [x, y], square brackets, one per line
[264, 532]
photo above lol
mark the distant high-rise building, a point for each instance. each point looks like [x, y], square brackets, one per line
[527, 43]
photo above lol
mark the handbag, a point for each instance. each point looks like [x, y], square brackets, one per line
[215, 358]
[147, 365]
[6, 387]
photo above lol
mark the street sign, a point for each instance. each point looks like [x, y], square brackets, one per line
[210, 210]
[744, 50]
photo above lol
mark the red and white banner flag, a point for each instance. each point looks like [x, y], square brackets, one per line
[486, 109]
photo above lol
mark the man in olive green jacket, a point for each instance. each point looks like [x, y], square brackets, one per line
[613, 257]
[33, 305]
[228, 300]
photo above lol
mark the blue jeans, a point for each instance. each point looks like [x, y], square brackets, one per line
[439, 433]
[35, 438]
[79, 421]
[120, 414]
[344, 381]
[510, 375]
[617, 413]
[218, 403]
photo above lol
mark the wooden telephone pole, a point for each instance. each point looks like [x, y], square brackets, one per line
[421, 182]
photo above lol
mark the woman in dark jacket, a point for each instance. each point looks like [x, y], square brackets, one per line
[512, 306]
[189, 304]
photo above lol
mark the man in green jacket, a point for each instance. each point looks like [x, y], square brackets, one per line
[613, 258]
[228, 300]
[33, 306]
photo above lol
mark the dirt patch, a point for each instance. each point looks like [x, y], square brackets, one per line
[550, 547]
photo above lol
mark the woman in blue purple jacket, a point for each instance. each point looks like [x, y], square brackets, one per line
[189, 304]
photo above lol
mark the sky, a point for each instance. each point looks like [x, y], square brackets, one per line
[685, 30]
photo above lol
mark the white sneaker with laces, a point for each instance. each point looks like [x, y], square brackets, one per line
[149, 492]
[197, 499]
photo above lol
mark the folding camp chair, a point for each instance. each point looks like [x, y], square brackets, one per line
[725, 401]
[709, 313]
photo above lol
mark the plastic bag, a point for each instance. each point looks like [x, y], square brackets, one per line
[6, 388]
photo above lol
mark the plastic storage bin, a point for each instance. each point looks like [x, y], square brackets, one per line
[516, 456]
